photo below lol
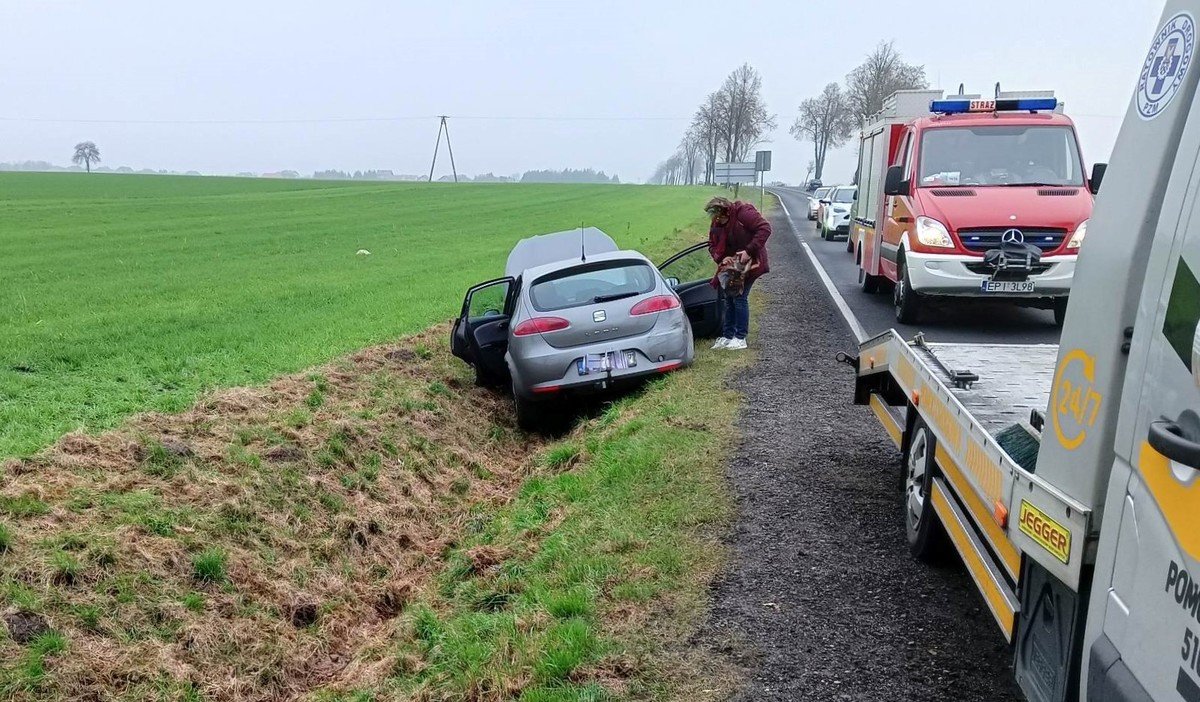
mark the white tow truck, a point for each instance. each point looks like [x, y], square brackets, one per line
[1068, 477]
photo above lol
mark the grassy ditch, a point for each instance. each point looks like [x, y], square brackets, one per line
[579, 589]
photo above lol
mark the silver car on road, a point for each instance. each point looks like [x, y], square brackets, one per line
[575, 314]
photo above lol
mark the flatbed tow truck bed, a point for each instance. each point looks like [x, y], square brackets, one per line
[977, 399]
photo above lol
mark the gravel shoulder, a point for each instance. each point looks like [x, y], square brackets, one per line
[820, 599]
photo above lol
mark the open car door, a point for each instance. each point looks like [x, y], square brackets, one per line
[480, 335]
[689, 273]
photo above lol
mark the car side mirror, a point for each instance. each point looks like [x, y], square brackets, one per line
[823, 201]
[1098, 170]
[894, 183]
[672, 283]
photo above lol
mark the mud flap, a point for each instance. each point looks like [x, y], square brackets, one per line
[1049, 629]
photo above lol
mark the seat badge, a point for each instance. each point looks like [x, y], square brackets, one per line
[599, 316]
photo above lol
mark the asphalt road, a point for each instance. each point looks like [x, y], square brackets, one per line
[976, 321]
[820, 600]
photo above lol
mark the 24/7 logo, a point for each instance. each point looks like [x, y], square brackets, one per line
[1166, 65]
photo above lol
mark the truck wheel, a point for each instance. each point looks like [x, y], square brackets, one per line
[907, 301]
[866, 282]
[849, 245]
[926, 537]
[1060, 311]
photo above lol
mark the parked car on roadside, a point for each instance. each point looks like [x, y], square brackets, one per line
[835, 217]
[814, 202]
[575, 314]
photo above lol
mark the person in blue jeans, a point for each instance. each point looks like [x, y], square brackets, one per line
[737, 242]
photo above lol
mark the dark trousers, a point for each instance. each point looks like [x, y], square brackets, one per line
[737, 314]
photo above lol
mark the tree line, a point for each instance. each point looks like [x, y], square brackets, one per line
[726, 127]
[830, 118]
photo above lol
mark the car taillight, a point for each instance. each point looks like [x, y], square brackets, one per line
[658, 303]
[538, 325]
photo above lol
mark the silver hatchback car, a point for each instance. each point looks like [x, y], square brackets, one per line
[574, 314]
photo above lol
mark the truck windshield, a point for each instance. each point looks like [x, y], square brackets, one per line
[998, 155]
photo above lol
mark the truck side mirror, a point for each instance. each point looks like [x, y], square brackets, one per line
[1098, 170]
[894, 183]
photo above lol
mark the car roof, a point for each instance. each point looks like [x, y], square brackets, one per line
[536, 272]
[543, 249]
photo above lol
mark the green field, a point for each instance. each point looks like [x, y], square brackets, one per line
[120, 294]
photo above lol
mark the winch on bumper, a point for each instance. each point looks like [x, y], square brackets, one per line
[960, 275]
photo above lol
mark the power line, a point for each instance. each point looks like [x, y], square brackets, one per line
[340, 120]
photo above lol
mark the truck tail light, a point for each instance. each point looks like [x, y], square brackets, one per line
[658, 303]
[539, 325]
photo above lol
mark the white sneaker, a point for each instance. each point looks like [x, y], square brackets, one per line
[721, 343]
[736, 344]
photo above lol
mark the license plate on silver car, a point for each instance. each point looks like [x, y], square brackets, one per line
[1007, 286]
[604, 362]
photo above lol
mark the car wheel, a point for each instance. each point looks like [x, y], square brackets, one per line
[926, 536]
[907, 301]
[531, 415]
[483, 379]
[1060, 311]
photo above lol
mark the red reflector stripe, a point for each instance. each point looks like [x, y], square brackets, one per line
[547, 388]
[668, 367]
[658, 303]
[539, 325]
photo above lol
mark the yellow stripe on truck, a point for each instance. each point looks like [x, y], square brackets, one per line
[886, 418]
[1010, 557]
[999, 599]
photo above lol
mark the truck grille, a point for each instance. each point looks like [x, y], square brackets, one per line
[984, 239]
[984, 269]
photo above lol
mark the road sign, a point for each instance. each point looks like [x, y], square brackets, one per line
[733, 173]
[762, 161]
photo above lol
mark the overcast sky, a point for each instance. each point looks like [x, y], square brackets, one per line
[609, 85]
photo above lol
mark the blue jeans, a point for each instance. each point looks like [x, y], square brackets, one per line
[737, 314]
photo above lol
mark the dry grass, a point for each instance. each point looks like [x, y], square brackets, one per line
[259, 546]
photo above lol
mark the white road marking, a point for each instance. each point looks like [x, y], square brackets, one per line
[855, 326]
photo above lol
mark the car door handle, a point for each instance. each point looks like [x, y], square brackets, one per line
[1171, 439]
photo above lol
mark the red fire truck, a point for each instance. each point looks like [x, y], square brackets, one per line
[970, 198]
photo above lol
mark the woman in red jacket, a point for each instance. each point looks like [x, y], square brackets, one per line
[738, 233]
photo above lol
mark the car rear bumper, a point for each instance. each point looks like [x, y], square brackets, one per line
[556, 372]
[951, 275]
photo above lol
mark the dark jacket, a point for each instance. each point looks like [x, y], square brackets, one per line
[745, 230]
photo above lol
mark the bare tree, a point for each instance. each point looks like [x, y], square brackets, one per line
[825, 121]
[808, 169]
[745, 120]
[689, 151]
[708, 125]
[881, 74]
[87, 154]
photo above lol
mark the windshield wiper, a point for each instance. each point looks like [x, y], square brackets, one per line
[1040, 185]
[614, 296]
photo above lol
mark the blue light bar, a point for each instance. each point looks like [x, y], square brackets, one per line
[955, 107]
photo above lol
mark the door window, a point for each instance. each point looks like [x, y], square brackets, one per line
[689, 266]
[488, 300]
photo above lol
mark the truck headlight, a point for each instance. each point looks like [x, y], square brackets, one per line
[1077, 238]
[931, 232]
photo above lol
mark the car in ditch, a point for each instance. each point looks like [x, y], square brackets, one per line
[575, 314]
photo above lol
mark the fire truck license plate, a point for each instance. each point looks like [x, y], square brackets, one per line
[1007, 286]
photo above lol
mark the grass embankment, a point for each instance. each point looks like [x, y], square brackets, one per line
[121, 294]
[375, 528]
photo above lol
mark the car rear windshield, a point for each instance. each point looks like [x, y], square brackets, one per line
[844, 195]
[591, 283]
[1034, 155]
[821, 193]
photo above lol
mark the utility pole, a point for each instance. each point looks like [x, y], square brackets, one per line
[443, 127]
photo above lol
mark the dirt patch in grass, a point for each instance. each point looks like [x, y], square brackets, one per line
[259, 546]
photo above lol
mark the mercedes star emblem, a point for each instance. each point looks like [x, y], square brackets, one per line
[1012, 236]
